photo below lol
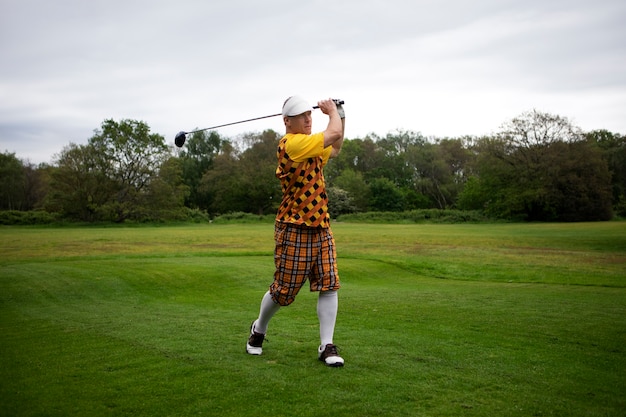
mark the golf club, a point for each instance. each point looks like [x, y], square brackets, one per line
[181, 137]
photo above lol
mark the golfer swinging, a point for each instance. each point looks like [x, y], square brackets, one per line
[305, 247]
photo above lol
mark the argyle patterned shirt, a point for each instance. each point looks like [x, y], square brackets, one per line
[300, 162]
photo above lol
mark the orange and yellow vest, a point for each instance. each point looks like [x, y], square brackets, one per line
[300, 161]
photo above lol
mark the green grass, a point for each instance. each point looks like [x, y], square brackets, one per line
[435, 320]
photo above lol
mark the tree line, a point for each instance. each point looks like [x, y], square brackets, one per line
[538, 167]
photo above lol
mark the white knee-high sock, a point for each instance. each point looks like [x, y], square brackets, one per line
[267, 311]
[327, 306]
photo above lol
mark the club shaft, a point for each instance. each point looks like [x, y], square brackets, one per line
[247, 120]
[234, 123]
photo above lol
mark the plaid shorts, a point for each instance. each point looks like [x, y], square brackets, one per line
[303, 253]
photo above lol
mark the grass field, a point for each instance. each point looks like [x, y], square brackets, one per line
[435, 320]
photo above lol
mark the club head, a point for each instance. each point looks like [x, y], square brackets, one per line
[180, 138]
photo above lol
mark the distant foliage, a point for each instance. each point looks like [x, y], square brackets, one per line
[123, 173]
[241, 217]
[339, 202]
[23, 186]
[30, 218]
[417, 216]
[537, 167]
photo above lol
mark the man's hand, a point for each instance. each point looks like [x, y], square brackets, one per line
[327, 106]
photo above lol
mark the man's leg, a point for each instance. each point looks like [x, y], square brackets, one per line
[327, 306]
[327, 283]
[266, 312]
[259, 326]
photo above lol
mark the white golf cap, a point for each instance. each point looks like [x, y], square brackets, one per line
[296, 105]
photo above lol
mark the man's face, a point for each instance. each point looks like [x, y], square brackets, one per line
[301, 123]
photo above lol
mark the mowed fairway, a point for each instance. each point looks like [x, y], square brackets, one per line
[435, 320]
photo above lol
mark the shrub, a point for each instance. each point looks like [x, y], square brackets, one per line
[241, 217]
[416, 216]
[197, 216]
[22, 218]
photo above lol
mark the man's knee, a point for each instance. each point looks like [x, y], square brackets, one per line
[328, 294]
[283, 300]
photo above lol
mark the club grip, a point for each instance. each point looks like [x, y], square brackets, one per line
[337, 101]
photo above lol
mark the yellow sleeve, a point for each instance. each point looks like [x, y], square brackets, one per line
[301, 147]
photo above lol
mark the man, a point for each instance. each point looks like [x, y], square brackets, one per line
[305, 247]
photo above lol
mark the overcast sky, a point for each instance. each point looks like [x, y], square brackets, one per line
[444, 68]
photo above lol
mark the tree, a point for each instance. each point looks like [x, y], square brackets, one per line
[133, 157]
[359, 155]
[472, 197]
[166, 195]
[79, 186]
[36, 185]
[354, 185]
[389, 158]
[578, 183]
[197, 158]
[244, 180]
[490, 188]
[613, 146]
[12, 182]
[118, 175]
[223, 181]
[385, 196]
[257, 166]
[430, 174]
[537, 169]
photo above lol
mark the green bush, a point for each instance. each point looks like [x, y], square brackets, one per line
[241, 217]
[416, 216]
[24, 218]
[197, 216]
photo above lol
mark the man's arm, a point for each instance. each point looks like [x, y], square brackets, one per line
[334, 130]
[337, 144]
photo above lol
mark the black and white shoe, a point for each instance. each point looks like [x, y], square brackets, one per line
[328, 354]
[255, 342]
